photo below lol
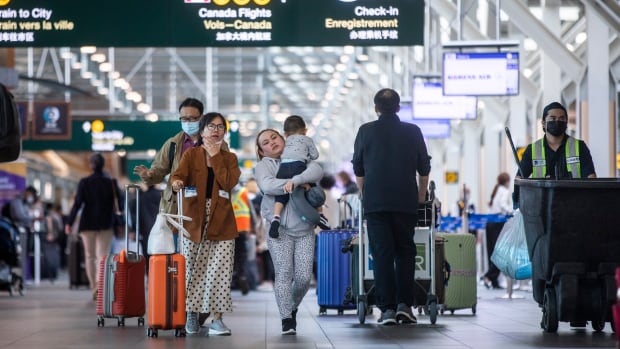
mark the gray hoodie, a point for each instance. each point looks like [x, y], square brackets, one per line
[290, 222]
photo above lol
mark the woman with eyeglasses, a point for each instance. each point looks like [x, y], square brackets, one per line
[208, 173]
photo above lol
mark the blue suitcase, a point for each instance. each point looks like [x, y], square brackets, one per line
[334, 270]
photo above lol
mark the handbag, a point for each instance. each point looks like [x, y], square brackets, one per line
[161, 239]
[510, 254]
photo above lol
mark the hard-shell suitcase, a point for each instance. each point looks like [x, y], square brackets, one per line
[166, 298]
[460, 253]
[334, 270]
[121, 280]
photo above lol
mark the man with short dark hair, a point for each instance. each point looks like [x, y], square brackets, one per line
[388, 155]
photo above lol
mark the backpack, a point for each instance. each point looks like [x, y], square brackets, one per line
[10, 127]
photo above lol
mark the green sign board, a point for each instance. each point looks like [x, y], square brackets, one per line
[116, 135]
[211, 23]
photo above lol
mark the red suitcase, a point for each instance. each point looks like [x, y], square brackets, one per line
[121, 281]
[166, 299]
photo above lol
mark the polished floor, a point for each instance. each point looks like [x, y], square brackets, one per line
[52, 316]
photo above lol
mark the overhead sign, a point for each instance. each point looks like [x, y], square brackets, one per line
[451, 177]
[203, 23]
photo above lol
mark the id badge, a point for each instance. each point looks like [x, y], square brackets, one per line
[224, 194]
[190, 192]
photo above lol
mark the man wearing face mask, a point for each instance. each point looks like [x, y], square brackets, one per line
[168, 157]
[557, 155]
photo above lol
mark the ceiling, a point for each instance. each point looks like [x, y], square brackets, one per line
[331, 87]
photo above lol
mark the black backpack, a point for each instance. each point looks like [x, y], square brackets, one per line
[10, 127]
[6, 210]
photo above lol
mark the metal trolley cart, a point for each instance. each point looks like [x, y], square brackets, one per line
[571, 228]
[362, 272]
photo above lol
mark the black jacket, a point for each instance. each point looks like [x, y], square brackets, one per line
[389, 154]
[96, 196]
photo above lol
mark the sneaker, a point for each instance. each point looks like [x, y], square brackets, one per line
[404, 315]
[273, 229]
[323, 223]
[191, 324]
[288, 326]
[388, 318]
[218, 328]
[202, 318]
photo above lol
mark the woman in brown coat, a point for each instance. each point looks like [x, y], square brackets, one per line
[208, 173]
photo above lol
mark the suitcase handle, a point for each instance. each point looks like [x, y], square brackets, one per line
[137, 226]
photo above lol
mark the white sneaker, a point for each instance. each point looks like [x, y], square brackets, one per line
[218, 328]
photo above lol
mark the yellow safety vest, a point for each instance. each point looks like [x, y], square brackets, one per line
[539, 160]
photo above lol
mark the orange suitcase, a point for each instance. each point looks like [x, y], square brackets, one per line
[120, 292]
[166, 301]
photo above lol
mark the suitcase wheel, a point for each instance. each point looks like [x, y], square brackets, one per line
[151, 332]
[121, 322]
[100, 321]
[322, 311]
[140, 321]
[179, 332]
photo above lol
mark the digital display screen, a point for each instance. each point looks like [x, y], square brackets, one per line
[480, 74]
[430, 128]
[430, 103]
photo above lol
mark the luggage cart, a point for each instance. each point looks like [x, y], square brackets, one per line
[363, 283]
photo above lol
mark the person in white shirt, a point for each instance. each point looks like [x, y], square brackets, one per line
[501, 202]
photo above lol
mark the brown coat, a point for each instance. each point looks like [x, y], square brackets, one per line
[192, 171]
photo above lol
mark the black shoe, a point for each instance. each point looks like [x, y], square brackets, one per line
[273, 230]
[486, 282]
[243, 285]
[323, 223]
[294, 315]
[288, 326]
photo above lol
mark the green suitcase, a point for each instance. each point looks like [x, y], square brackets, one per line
[461, 291]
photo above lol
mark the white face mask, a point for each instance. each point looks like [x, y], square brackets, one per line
[190, 127]
[30, 200]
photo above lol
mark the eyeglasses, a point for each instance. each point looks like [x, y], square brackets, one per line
[219, 127]
[190, 118]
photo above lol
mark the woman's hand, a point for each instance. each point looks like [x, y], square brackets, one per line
[177, 185]
[289, 186]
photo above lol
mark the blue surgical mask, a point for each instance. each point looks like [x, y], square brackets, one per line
[191, 128]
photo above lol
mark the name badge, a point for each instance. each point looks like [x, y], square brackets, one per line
[572, 160]
[190, 192]
[539, 162]
[224, 194]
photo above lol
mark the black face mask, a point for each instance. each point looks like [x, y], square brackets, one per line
[556, 128]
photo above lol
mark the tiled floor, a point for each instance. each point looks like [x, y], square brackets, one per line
[52, 316]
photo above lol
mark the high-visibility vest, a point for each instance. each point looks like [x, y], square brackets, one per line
[539, 160]
[241, 208]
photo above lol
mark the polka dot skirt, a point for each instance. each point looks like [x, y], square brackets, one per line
[209, 269]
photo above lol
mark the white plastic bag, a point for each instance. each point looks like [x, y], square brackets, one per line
[510, 254]
[161, 239]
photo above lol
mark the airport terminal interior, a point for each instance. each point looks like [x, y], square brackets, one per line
[119, 95]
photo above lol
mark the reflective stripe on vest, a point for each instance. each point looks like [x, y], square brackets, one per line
[539, 161]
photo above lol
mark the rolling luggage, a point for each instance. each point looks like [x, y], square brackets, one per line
[121, 279]
[166, 299]
[461, 290]
[75, 264]
[334, 270]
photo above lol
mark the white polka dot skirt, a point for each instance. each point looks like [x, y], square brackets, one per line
[209, 269]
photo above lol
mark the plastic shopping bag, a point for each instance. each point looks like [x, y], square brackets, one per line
[161, 239]
[510, 254]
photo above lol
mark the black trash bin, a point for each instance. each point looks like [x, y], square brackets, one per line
[573, 237]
